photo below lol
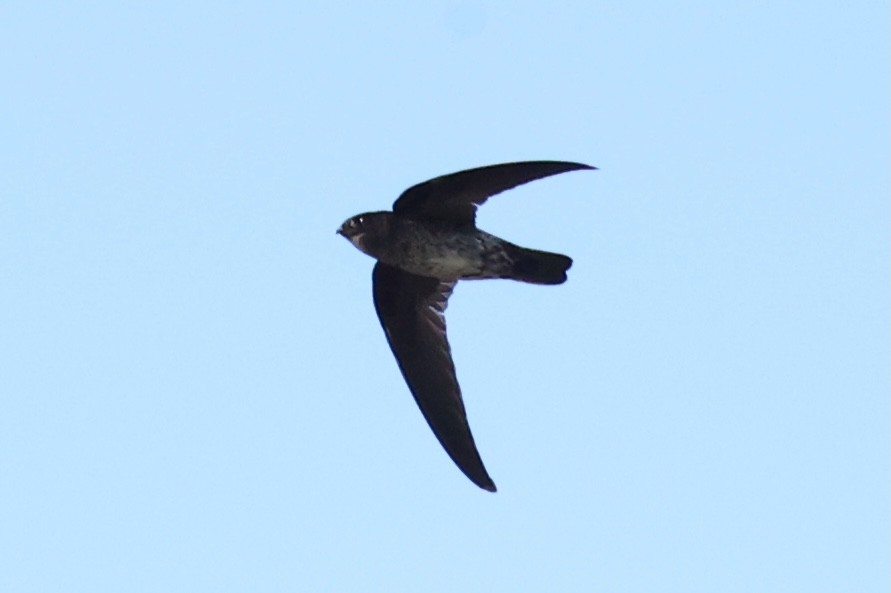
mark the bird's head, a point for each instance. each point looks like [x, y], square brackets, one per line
[366, 231]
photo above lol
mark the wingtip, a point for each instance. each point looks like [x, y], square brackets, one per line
[576, 166]
[478, 475]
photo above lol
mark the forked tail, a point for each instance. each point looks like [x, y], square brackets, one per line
[539, 267]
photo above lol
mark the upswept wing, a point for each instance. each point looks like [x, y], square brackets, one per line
[454, 198]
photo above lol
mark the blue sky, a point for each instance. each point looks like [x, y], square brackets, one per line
[197, 396]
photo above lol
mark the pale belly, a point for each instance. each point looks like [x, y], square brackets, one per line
[451, 265]
[450, 256]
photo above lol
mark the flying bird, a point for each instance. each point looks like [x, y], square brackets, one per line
[423, 247]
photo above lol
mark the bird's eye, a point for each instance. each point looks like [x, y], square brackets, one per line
[361, 220]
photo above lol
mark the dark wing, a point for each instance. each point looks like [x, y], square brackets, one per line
[412, 312]
[454, 198]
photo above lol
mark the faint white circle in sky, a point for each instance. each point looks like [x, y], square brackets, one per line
[465, 19]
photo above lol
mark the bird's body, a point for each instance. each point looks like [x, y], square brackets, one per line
[423, 247]
[439, 251]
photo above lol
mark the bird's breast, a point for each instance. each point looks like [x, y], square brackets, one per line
[444, 253]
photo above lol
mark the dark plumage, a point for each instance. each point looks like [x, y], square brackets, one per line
[423, 247]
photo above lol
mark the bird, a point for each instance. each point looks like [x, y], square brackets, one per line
[423, 247]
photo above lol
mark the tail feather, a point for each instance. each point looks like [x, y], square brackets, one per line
[539, 267]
